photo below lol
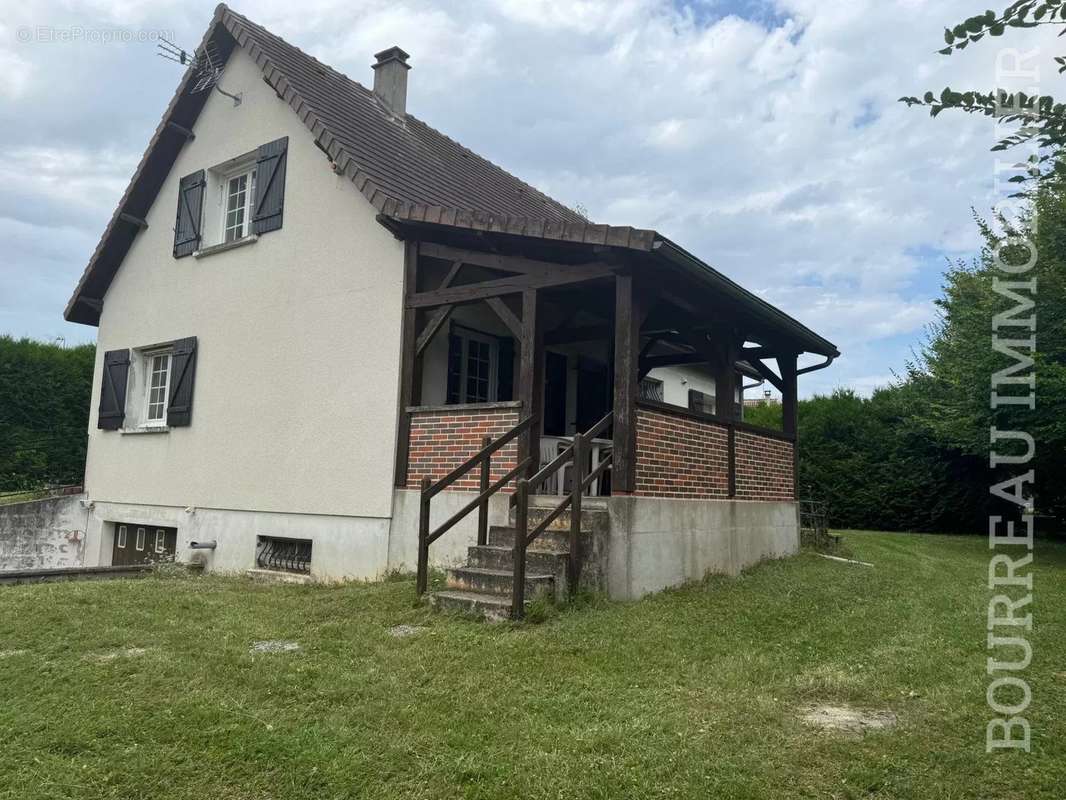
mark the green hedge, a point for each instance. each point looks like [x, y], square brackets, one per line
[44, 412]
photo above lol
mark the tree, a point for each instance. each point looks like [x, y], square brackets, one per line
[1042, 121]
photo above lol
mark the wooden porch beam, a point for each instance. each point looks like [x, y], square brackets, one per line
[440, 316]
[767, 373]
[503, 311]
[527, 266]
[511, 285]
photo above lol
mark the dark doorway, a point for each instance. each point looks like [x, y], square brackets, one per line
[593, 393]
[554, 394]
[143, 544]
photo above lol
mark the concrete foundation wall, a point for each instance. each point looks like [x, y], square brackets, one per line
[450, 549]
[656, 543]
[43, 533]
[342, 547]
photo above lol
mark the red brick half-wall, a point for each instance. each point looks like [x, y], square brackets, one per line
[764, 467]
[680, 456]
[442, 439]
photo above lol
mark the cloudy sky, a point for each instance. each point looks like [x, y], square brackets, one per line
[762, 135]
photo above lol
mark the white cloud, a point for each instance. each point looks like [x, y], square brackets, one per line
[777, 151]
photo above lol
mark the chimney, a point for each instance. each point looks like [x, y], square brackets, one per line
[390, 79]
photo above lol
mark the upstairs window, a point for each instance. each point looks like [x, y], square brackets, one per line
[158, 386]
[239, 193]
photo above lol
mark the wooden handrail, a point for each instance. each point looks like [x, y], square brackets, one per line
[443, 528]
[429, 489]
[579, 482]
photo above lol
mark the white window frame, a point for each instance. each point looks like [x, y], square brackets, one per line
[149, 371]
[141, 537]
[248, 171]
[465, 337]
[160, 541]
[121, 537]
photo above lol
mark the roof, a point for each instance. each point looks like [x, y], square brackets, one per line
[406, 169]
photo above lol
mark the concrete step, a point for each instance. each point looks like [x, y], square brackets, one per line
[594, 519]
[498, 581]
[493, 607]
[277, 576]
[537, 561]
[550, 541]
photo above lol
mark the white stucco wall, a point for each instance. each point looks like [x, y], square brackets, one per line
[299, 339]
[678, 380]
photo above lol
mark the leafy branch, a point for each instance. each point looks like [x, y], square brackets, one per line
[1022, 14]
[1042, 121]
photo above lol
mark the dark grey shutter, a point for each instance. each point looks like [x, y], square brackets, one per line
[505, 370]
[270, 185]
[182, 376]
[190, 213]
[700, 402]
[455, 367]
[113, 390]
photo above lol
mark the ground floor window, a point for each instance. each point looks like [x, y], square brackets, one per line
[651, 389]
[474, 360]
[700, 402]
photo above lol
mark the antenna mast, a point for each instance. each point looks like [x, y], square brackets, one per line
[206, 63]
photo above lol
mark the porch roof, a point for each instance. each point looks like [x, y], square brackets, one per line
[574, 243]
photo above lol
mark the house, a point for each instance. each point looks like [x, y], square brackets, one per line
[312, 307]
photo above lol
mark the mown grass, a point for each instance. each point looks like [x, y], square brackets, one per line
[691, 693]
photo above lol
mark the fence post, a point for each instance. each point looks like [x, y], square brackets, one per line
[423, 538]
[521, 530]
[483, 509]
[577, 478]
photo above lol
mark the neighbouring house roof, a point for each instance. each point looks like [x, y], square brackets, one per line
[406, 169]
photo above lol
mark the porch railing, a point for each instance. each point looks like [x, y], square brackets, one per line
[429, 490]
[576, 455]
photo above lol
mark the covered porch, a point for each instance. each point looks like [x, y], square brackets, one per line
[499, 328]
[537, 366]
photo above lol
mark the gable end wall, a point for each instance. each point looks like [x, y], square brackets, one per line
[299, 338]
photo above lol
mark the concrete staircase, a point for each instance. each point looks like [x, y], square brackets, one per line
[483, 586]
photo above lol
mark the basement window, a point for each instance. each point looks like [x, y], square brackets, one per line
[283, 554]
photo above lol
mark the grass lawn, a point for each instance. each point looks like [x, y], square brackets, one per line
[692, 693]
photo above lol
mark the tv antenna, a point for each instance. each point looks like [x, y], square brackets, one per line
[206, 63]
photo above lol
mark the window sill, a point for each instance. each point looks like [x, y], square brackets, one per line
[221, 248]
[144, 429]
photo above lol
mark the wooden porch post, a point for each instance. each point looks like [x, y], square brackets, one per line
[409, 363]
[789, 400]
[531, 377]
[725, 374]
[626, 343]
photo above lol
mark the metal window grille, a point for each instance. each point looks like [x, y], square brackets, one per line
[651, 389]
[288, 555]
